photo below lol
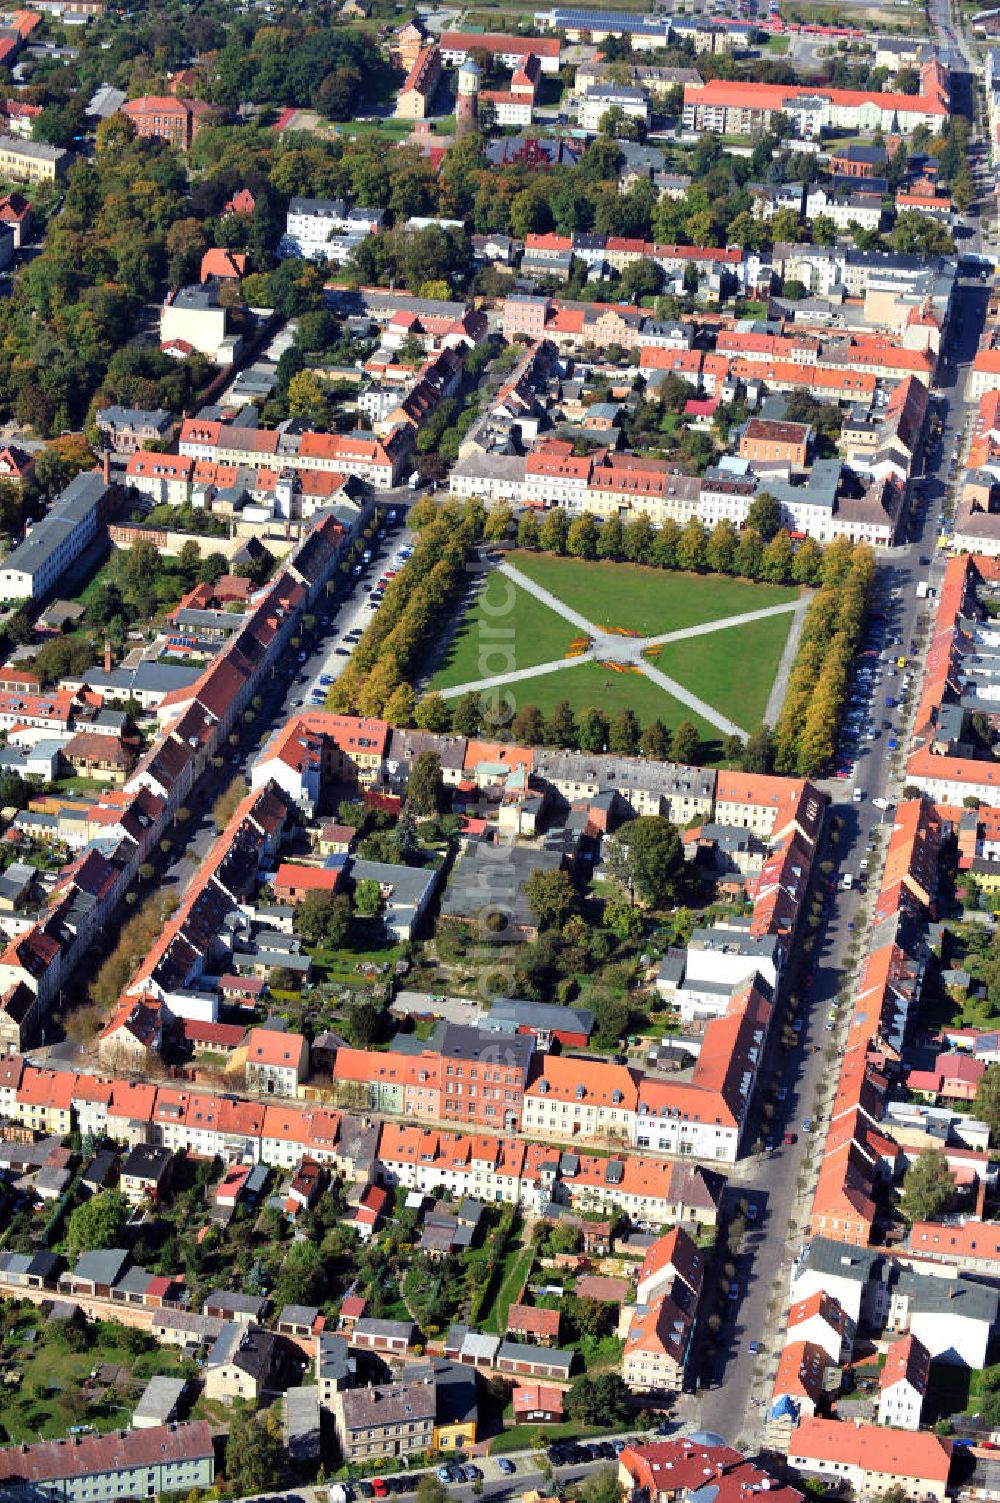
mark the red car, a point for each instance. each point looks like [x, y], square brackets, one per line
[379, 1488]
[788, 1139]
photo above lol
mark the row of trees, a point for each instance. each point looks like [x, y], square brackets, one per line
[590, 730]
[414, 608]
[806, 733]
[723, 550]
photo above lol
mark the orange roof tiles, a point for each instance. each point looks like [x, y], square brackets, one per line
[478, 752]
[857, 383]
[801, 1371]
[908, 1361]
[730, 94]
[819, 1304]
[675, 1250]
[564, 1079]
[873, 1448]
[499, 42]
[268, 1046]
[968, 1240]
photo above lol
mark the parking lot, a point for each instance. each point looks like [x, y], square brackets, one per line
[493, 1477]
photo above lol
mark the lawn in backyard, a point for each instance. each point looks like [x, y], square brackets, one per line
[645, 600]
[516, 1267]
[732, 670]
[595, 684]
[46, 1380]
[504, 629]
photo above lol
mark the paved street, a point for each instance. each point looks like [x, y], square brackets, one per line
[807, 1073]
[527, 1476]
[290, 687]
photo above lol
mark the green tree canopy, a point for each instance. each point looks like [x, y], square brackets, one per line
[425, 786]
[254, 1453]
[552, 897]
[927, 1187]
[99, 1222]
[646, 857]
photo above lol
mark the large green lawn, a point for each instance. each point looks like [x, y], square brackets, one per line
[503, 630]
[593, 684]
[649, 601]
[732, 669]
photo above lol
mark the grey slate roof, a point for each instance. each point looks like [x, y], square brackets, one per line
[521, 1351]
[507, 1014]
[101, 1266]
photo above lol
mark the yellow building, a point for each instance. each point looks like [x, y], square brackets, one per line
[417, 93]
[32, 161]
[456, 1415]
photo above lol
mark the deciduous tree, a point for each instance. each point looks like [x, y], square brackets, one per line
[254, 1453]
[647, 858]
[433, 714]
[685, 743]
[98, 1222]
[552, 898]
[927, 1187]
[623, 733]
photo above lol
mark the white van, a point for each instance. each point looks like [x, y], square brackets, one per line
[848, 882]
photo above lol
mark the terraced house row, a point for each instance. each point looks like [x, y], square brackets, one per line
[475, 1077]
[237, 1130]
[861, 1151]
[36, 962]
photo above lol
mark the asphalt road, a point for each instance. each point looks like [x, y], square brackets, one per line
[738, 1380]
[527, 1477]
[331, 652]
[288, 688]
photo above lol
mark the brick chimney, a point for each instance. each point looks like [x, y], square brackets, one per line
[106, 466]
[107, 654]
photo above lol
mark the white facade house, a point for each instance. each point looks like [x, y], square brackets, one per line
[844, 1272]
[953, 1318]
[685, 1136]
[903, 1384]
[599, 98]
[325, 229]
[192, 318]
[860, 208]
[52, 544]
[277, 1063]
[716, 962]
[161, 477]
[510, 108]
